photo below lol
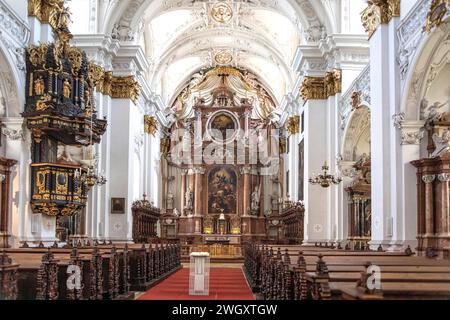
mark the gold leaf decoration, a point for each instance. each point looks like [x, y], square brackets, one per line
[150, 125]
[379, 12]
[321, 88]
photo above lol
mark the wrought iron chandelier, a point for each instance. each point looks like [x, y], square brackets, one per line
[325, 179]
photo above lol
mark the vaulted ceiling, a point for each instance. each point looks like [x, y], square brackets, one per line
[181, 37]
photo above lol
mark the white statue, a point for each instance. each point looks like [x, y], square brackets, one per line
[275, 203]
[434, 113]
[442, 143]
[176, 212]
[189, 197]
[255, 200]
[170, 201]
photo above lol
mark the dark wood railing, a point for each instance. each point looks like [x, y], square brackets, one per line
[103, 272]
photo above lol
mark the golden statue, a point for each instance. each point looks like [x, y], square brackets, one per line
[39, 86]
[67, 90]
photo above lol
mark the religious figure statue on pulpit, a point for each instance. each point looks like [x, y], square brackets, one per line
[39, 86]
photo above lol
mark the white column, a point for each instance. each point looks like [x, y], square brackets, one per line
[334, 196]
[381, 140]
[317, 224]
[121, 155]
[412, 135]
[25, 226]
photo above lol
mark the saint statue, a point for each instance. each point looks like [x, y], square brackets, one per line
[255, 200]
[442, 143]
[275, 203]
[67, 90]
[189, 197]
[39, 86]
[434, 113]
[170, 201]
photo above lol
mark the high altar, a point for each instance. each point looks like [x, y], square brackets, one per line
[220, 187]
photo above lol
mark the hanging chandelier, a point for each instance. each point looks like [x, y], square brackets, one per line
[325, 179]
[90, 176]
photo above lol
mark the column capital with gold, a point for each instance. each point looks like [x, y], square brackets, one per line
[379, 12]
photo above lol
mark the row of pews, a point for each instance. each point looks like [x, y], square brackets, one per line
[101, 272]
[324, 273]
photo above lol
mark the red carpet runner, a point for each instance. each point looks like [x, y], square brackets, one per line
[225, 284]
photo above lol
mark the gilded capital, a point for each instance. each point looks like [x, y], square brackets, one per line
[125, 88]
[313, 88]
[379, 12]
[321, 88]
[116, 87]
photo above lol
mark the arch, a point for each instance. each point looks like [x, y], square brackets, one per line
[11, 82]
[357, 127]
[185, 81]
[433, 47]
[129, 13]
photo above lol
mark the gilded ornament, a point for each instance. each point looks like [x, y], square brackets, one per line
[37, 54]
[293, 125]
[321, 88]
[438, 10]
[67, 88]
[43, 103]
[379, 12]
[221, 12]
[356, 100]
[125, 88]
[39, 86]
[223, 57]
[150, 125]
[43, 9]
[76, 59]
[165, 146]
[313, 88]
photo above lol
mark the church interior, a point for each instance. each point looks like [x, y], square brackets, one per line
[303, 145]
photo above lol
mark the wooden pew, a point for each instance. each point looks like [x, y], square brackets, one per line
[106, 271]
[318, 273]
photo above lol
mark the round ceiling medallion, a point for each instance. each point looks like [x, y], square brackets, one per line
[223, 57]
[221, 12]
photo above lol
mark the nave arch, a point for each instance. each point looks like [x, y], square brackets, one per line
[356, 167]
